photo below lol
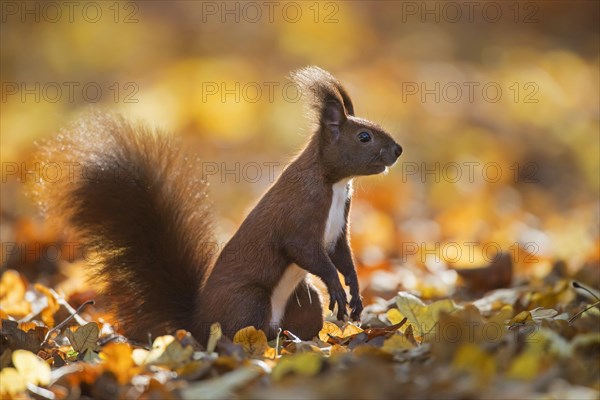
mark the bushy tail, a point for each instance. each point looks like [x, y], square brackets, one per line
[133, 198]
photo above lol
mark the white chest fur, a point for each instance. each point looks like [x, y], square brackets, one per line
[336, 219]
[293, 275]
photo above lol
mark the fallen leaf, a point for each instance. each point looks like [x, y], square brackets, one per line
[423, 318]
[525, 366]
[12, 294]
[12, 382]
[253, 341]
[304, 364]
[540, 313]
[215, 334]
[117, 359]
[497, 274]
[223, 386]
[84, 338]
[52, 306]
[167, 351]
[349, 329]
[397, 342]
[520, 319]
[329, 329]
[32, 368]
[394, 316]
[472, 358]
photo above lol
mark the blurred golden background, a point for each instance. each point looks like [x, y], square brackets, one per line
[495, 103]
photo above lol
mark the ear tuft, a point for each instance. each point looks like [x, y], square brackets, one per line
[322, 90]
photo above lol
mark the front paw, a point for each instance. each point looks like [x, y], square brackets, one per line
[337, 296]
[357, 307]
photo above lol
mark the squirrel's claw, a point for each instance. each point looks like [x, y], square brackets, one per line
[338, 297]
[357, 308]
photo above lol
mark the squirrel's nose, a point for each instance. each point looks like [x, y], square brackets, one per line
[397, 150]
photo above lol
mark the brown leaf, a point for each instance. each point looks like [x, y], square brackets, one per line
[497, 274]
[48, 312]
[84, 338]
[18, 339]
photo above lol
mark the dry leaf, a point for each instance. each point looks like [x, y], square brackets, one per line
[117, 359]
[305, 364]
[253, 341]
[470, 357]
[12, 294]
[329, 329]
[215, 334]
[169, 352]
[84, 338]
[52, 306]
[423, 318]
[31, 367]
[397, 342]
[12, 382]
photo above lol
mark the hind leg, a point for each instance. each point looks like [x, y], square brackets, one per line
[303, 314]
[235, 308]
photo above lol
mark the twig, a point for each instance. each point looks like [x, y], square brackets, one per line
[61, 300]
[69, 318]
[578, 285]
[277, 344]
[45, 393]
[582, 311]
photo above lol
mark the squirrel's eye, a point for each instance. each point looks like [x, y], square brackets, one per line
[364, 137]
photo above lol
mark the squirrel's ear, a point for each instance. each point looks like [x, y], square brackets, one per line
[332, 116]
[328, 101]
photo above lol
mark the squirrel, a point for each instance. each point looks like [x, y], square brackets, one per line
[140, 204]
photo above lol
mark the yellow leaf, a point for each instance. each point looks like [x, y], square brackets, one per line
[397, 342]
[47, 313]
[118, 360]
[305, 364]
[329, 329]
[31, 368]
[502, 316]
[215, 334]
[139, 356]
[336, 348]
[270, 353]
[423, 318]
[525, 366]
[521, 318]
[394, 316]
[12, 382]
[350, 329]
[253, 341]
[84, 338]
[12, 294]
[470, 357]
[168, 351]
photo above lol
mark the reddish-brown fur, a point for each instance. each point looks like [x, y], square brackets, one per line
[150, 222]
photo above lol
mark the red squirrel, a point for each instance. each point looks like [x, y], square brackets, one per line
[141, 205]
